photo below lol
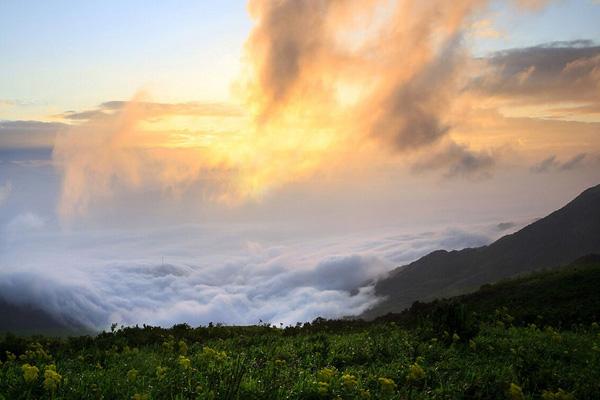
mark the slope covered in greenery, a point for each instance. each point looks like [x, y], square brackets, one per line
[483, 345]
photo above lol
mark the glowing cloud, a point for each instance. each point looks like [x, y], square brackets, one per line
[325, 84]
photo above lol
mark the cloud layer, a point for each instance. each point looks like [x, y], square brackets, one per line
[218, 274]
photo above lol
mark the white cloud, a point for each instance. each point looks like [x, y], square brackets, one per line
[211, 273]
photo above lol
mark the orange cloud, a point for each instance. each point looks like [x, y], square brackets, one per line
[326, 84]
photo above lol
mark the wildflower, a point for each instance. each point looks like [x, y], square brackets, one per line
[349, 381]
[515, 392]
[161, 372]
[30, 373]
[416, 373]
[212, 354]
[279, 362]
[472, 345]
[387, 385]
[184, 362]
[138, 396]
[326, 374]
[323, 387]
[132, 375]
[51, 378]
[183, 348]
[558, 395]
[364, 394]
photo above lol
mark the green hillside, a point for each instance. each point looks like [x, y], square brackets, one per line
[534, 337]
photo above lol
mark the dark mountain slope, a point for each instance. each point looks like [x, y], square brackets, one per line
[29, 320]
[558, 297]
[566, 234]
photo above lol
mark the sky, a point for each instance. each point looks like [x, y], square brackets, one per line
[197, 161]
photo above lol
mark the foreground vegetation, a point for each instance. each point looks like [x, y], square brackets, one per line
[443, 350]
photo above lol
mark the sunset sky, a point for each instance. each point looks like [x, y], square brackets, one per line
[200, 160]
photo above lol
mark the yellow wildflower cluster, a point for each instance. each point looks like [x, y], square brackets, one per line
[30, 373]
[161, 372]
[326, 374]
[515, 392]
[349, 381]
[132, 375]
[184, 362]
[279, 362]
[51, 378]
[387, 385]
[558, 395]
[415, 373]
[212, 354]
[35, 352]
[169, 345]
[183, 348]
[323, 388]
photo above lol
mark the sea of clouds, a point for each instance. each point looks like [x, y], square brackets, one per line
[127, 268]
[199, 274]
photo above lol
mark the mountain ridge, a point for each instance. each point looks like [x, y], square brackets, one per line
[559, 238]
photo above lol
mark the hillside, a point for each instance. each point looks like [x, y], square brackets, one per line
[30, 320]
[561, 237]
[558, 297]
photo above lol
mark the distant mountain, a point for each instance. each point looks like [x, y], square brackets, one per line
[31, 320]
[558, 239]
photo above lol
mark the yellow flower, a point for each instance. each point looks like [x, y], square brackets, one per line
[183, 348]
[323, 387]
[559, 395]
[387, 385]
[212, 354]
[515, 392]
[132, 375]
[184, 362]
[326, 374]
[364, 394]
[349, 381]
[279, 362]
[416, 373]
[51, 378]
[30, 373]
[138, 396]
[160, 372]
